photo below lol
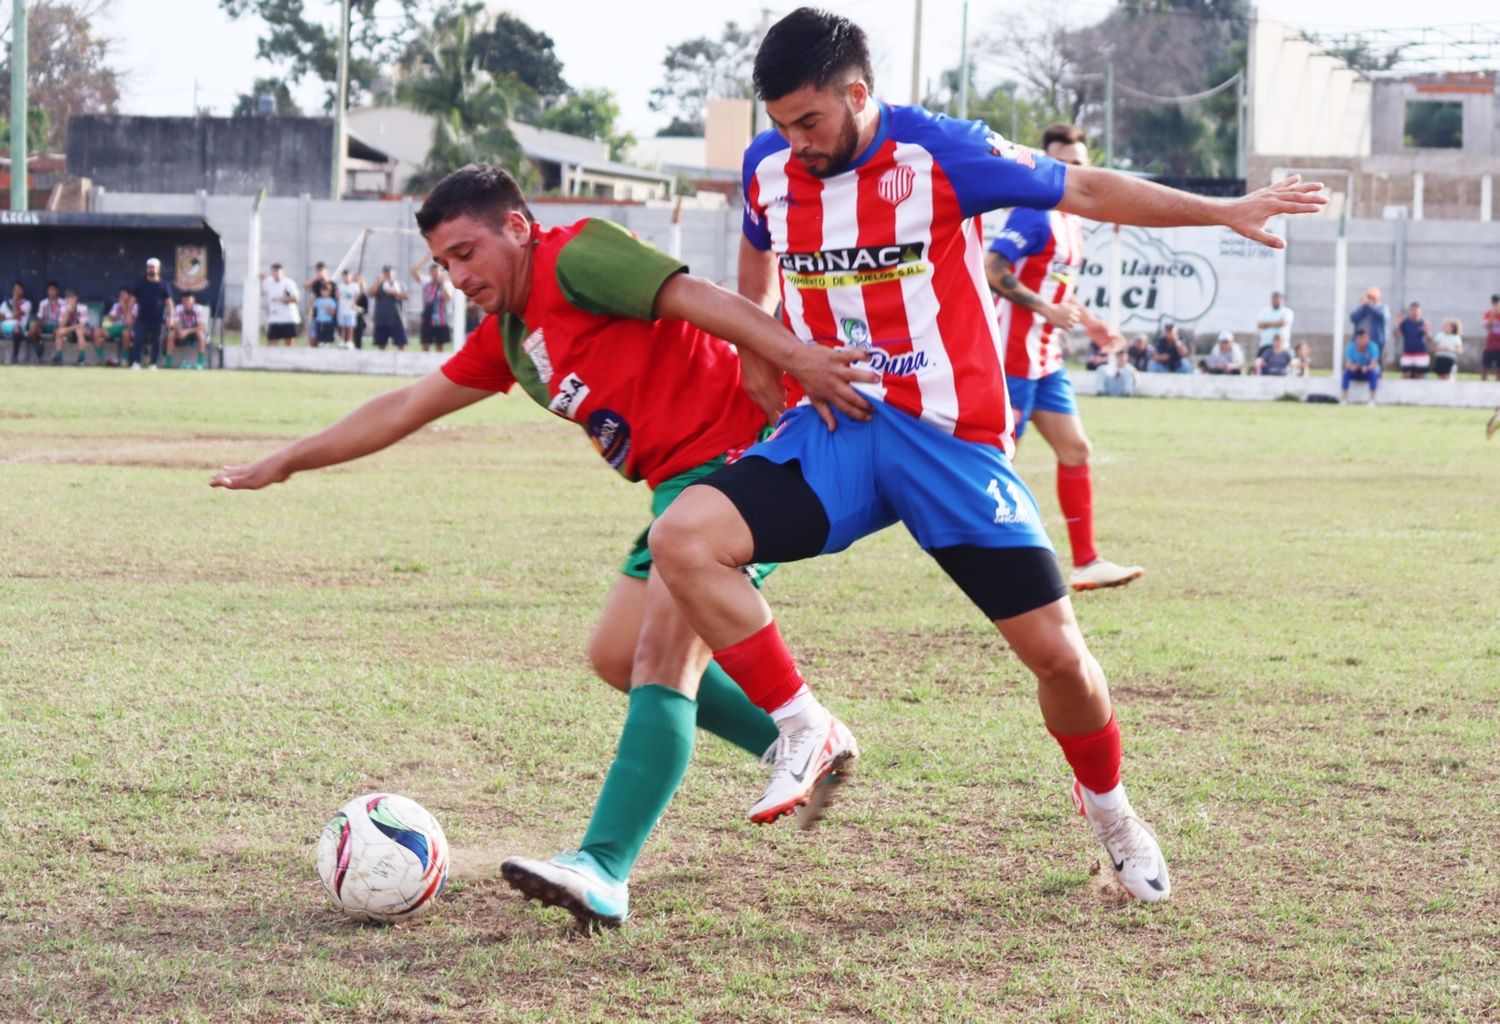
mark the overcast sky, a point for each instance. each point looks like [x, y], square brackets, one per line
[619, 45]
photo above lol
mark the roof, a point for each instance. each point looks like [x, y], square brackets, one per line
[559, 148]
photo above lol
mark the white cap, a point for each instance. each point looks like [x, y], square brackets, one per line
[153, 262]
[1226, 335]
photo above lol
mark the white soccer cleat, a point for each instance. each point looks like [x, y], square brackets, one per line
[574, 881]
[1131, 845]
[1101, 572]
[799, 760]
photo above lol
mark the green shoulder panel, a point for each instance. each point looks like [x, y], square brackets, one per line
[608, 271]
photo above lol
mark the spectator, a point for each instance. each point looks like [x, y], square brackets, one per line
[1415, 335]
[349, 291]
[1171, 353]
[1447, 347]
[15, 320]
[1140, 352]
[283, 307]
[1226, 358]
[1274, 319]
[73, 325]
[1362, 362]
[1278, 361]
[189, 328]
[153, 314]
[1116, 378]
[1490, 359]
[1375, 317]
[437, 298]
[325, 310]
[44, 326]
[320, 283]
[388, 298]
[118, 327]
[1301, 359]
[1099, 355]
[362, 314]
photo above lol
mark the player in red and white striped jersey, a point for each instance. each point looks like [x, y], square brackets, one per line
[870, 212]
[1032, 264]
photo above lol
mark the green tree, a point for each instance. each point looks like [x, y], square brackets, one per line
[511, 47]
[68, 68]
[248, 102]
[590, 113]
[703, 69]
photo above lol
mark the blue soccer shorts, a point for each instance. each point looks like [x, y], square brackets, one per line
[1052, 393]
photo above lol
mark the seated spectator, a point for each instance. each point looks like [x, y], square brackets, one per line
[119, 327]
[1278, 361]
[15, 320]
[1139, 352]
[1415, 334]
[1447, 347]
[1362, 362]
[190, 327]
[1226, 358]
[1099, 355]
[73, 326]
[44, 325]
[1301, 359]
[1116, 378]
[1170, 354]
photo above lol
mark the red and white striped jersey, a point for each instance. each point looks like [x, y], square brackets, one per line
[888, 256]
[1045, 249]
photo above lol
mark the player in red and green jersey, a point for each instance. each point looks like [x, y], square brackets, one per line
[603, 330]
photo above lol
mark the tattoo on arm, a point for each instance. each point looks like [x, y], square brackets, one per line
[1005, 284]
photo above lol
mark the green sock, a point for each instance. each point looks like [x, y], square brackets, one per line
[725, 711]
[655, 747]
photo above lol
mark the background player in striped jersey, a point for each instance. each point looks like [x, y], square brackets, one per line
[870, 213]
[1033, 265]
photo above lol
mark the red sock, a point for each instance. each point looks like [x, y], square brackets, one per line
[1094, 756]
[763, 668]
[1075, 493]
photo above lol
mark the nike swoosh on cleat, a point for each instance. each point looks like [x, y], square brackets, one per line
[800, 776]
[1119, 866]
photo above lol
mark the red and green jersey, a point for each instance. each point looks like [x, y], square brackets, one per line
[657, 397]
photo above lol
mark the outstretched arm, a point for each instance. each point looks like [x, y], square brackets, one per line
[377, 424]
[1121, 199]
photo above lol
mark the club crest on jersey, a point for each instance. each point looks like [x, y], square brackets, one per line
[895, 184]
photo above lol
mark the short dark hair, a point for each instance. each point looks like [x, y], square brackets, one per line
[810, 47]
[1361, 330]
[1062, 132]
[478, 190]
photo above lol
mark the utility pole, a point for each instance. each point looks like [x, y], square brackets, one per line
[340, 129]
[1239, 126]
[1014, 118]
[762, 120]
[916, 57]
[1109, 116]
[19, 199]
[963, 68]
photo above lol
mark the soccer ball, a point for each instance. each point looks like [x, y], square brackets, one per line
[383, 858]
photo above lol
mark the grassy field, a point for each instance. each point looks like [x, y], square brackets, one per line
[191, 681]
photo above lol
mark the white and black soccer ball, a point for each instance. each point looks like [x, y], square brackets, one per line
[383, 858]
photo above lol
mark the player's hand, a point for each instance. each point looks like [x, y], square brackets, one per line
[252, 477]
[828, 376]
[762, 381]
[1063, 315]
[1249, 214]
[1107, 339]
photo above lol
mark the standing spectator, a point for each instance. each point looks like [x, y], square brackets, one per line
[283, 306]
[319, 284]
[44, 327]
[1375, 317]
[1447, 347]
[1171, 353]
[1490, 359]
[73, 325]
[362, 314]
[1140, 352]
[325, 309]
[349, 292]
[1415, 335]
[1301, 359]
[1362, 362]
[437, 294]
[1116, 379]
[188, 328]
[119, 327]
[1227, 357]
[1278, 361]
[388, 299]
[15, 320]
[153, 314]
[1274, 319]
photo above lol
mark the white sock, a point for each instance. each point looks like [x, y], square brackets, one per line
[1109, 801]
[802, 710]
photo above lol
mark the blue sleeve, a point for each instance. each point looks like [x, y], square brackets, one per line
[986, 170]
[757, 232]
[1025, 231]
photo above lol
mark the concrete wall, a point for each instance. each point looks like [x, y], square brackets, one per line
[220, 155]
